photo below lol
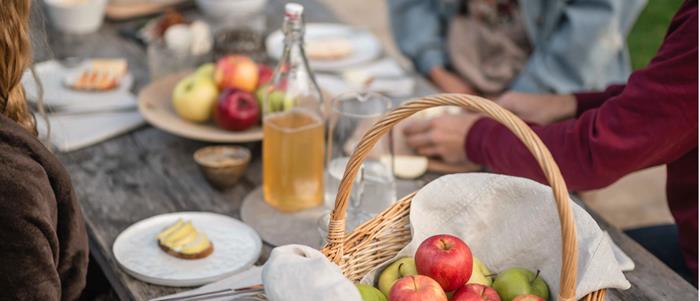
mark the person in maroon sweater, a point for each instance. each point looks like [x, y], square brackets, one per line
[597, 138]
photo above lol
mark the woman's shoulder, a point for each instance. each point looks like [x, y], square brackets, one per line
[29, 173]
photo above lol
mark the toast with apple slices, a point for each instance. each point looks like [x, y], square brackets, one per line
[184, 241]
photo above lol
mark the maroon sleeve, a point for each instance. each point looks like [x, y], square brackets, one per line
[653, 120]
[591, 100]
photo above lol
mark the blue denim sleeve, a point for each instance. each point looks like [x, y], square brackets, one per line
[586, 49]
[417, 28]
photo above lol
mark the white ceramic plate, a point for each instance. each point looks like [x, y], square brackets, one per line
[365, 45]
[52, 75]
[236, 247]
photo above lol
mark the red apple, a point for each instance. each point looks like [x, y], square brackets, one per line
[264, 74]
[237, 71]
[236, 110]
[416, 288]
[445, 258]
[475, 292]
[529, 297]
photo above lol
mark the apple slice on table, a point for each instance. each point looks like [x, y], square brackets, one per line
[475, 292]
[417, 288]
[514, 282]
[445, 258]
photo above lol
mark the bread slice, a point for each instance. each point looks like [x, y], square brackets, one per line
[183, 241]
[100, 75]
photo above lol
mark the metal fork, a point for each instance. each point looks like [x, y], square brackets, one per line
[254, 292]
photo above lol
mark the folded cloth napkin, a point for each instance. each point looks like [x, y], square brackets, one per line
[246, 278]
[511, 222]
[296, 272]
[72, 132]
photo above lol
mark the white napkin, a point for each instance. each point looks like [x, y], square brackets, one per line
[71, 132]
[296, 272]
[511, 222]
[243, 279]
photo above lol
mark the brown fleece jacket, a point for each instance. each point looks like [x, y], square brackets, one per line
[43, 243]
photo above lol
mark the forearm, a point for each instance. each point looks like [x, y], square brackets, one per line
[590, 100]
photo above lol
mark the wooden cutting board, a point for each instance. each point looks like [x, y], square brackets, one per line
[124, 10]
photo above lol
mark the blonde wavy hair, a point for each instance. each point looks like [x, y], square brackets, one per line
[16, 52]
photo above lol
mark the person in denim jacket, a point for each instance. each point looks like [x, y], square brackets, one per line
[570, 45]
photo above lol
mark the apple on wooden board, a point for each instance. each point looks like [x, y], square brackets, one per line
[370, 293]
[445, 258]
[528, 297]
[398, 269]
[236, 110]
[514, 282]
[417, 288]
[475, 292]
[480, 273]
[194, 98]
[237, 71]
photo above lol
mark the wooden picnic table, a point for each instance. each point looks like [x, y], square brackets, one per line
[149, 172]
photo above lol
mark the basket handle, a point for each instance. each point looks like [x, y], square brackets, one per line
[336, 227]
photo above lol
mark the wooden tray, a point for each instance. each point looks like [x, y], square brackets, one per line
[155, 106]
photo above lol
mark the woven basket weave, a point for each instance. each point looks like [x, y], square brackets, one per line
[382, 237]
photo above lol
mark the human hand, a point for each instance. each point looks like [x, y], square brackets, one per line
[449, 82]
[539, 108]
[442, 136]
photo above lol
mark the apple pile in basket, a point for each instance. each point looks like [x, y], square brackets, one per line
[230, 92]
[444, 266]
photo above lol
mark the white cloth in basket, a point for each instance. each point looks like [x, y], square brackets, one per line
[511, 222]
[296, 272]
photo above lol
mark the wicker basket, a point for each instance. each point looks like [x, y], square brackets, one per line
[382, 237]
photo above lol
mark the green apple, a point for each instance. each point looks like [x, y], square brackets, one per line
[403, 266]
[519, 281]
[280, 101]
[194, 98]
[370, 293]
[206, 70]
[261, 93]
[480, 273]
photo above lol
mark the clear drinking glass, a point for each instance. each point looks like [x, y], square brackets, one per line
[350, 116]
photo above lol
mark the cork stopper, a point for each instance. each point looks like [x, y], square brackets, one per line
[293, 10]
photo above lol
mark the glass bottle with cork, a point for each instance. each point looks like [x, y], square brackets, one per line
[293, 126]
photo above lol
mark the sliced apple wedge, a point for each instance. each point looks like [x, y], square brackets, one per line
[407, 167]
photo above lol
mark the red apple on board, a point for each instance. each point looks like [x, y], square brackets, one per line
[264, 74]
[417, 288]
[236, 110]
[445, 258]
[475, 292]
[237, 71]
[529, 297]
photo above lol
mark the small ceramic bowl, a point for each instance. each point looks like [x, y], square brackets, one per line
[222, 166]
[76, 16]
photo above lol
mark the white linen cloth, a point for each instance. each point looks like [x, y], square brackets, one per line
[512, 222]
[387, 77]
[246, 278]
[296, 272]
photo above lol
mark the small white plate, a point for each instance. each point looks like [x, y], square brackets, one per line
[236, 247]
[52, 76]
[365, 45]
